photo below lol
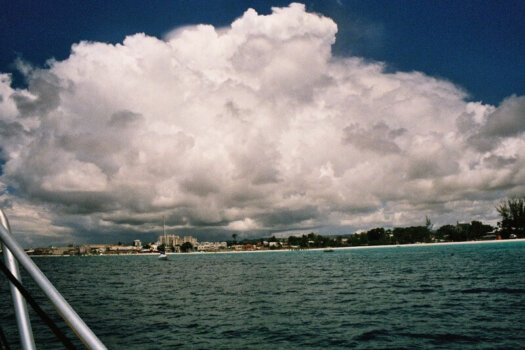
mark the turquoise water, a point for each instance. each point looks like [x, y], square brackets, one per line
[442, 297]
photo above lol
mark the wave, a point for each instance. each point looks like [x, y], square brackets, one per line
[494, 290]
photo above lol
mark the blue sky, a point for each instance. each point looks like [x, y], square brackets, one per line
[478, 45]
[269, 118]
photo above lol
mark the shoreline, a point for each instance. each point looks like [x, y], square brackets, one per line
[495, 241]
[411, 245]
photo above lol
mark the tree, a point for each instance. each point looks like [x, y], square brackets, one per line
[477, 229]
[413, 234]
[234, 236]
[446, 232]
[358, 239]
[377, 236]
[186, 247]
[512, 212]
[428, 223]
[294, 241]
[461, 232]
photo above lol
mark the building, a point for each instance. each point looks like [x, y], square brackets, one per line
[190, 239]
[170, 240]
[174, 240]
[211, 246]
[97, 248]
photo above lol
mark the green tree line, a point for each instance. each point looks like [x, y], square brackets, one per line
[512, 225]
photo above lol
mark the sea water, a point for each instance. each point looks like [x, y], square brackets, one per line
[417, 297]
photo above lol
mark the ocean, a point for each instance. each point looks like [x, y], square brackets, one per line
[408, 297]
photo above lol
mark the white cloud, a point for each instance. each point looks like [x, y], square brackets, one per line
[28, 220]
[252, 126]
[246, 224]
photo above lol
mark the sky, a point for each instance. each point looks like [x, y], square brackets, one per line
[257, 117]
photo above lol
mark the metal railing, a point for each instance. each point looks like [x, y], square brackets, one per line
[12, 253]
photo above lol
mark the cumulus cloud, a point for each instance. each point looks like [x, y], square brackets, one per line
[255, 126]
[506, 121]
[379, 138]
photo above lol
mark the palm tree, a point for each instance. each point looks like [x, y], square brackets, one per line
[512, 213]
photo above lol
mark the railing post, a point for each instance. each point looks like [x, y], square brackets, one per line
[22, 317]
[72, 319]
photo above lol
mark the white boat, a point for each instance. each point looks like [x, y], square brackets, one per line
[163, 256]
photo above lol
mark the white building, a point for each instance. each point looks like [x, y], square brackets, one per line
[211, 246]
[174, 240]
[170, 240]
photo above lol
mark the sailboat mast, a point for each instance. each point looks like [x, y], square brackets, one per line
[164, 231]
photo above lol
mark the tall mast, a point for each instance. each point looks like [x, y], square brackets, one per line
[164, 230]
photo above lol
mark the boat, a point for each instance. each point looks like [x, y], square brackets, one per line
[162, 253]
[328, 250]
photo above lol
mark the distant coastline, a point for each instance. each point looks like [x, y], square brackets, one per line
[410, 245]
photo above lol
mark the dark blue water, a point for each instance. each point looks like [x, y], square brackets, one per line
[442, 297]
